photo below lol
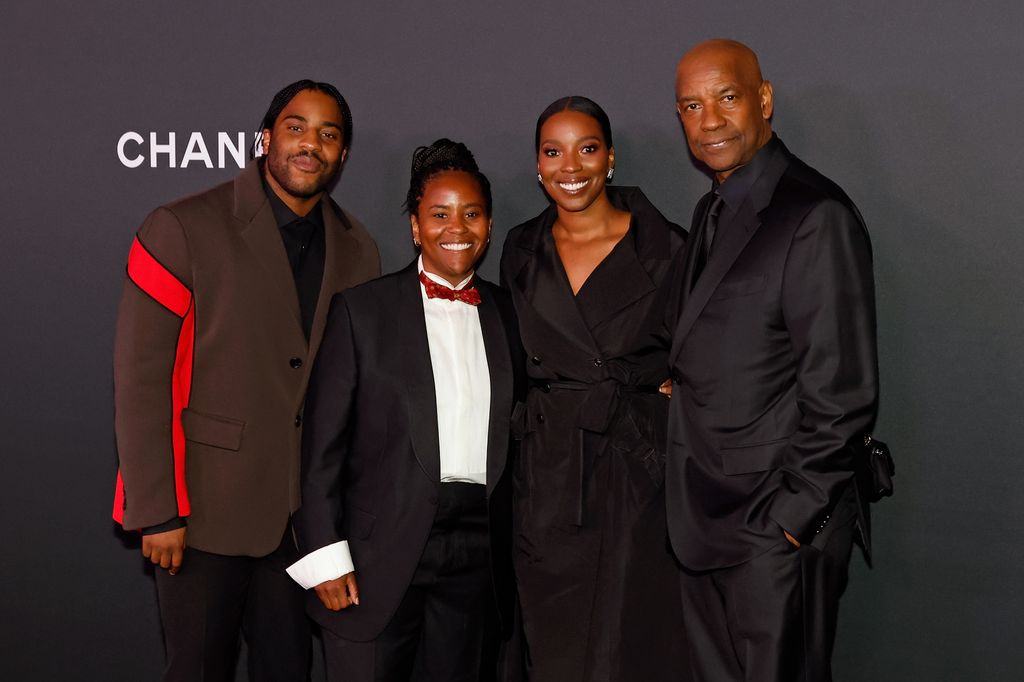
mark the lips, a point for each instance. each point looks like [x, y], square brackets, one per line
[306, 163]
[574, 187]
[715, 145]
[456, 246]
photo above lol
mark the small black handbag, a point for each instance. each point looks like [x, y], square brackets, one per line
[879, 469]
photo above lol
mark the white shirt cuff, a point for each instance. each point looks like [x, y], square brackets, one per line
[327, 563]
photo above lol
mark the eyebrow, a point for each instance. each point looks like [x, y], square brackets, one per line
[330, 124]
[582, 139]
[448, 206]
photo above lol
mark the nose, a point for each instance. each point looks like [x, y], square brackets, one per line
[711, 119]
[571, 163]
[310, 140]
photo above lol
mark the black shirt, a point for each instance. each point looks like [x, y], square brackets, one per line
[303, 238]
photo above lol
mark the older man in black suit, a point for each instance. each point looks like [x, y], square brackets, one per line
[775, 378]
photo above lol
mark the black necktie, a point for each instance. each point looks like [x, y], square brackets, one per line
[705, 235]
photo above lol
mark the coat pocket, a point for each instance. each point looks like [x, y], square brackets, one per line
[358, 524]
[211, 429]
[740, 287]
[749, 459]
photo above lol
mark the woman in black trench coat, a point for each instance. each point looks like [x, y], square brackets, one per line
[589, 278]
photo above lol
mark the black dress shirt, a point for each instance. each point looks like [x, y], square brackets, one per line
[737, 186]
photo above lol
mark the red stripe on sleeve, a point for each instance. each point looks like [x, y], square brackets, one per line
[158, 282]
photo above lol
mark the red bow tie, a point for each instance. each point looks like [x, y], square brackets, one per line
[469, 294]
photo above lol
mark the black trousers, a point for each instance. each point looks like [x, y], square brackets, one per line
[444, 628]
[214, 599]
[773, 618]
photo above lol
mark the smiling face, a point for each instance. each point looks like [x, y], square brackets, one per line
[304, 149]
[451, 225]
[724, 105]
[573, 160]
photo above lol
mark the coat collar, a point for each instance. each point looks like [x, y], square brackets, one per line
[745, 225]
[540, 271]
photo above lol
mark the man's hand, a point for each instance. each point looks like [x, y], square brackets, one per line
[666, 388]
[792, 540]
[165, 549]
[339, 593]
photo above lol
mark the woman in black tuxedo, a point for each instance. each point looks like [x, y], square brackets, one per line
[590, 280]
[405, 524]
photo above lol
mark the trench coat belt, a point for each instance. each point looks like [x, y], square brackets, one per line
[595, 416]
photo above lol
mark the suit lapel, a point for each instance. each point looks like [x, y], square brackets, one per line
[499, 368]
[747, 222]
[729, 248]
[261, 235]
[623, 280]
[419, 373]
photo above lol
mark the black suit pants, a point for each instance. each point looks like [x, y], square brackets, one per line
[773, 618]
[443, 629]
[214, 599]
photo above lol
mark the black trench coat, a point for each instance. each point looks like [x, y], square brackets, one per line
[598, 586]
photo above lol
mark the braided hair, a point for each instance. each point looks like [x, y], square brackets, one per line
[286, 94]
[443, 155]
[579, 103]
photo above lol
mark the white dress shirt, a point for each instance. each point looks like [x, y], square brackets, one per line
[462, 390]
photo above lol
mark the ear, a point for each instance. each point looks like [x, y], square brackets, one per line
[611, 157]
[679, 110]
[767, 99]
[415, 229]
[344, 155]
[266, 141]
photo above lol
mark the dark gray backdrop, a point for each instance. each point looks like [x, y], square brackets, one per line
[915, 111]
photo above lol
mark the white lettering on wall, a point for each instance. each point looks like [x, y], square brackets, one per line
[196, 151]
[156, 149]
[161, 149]
[237, 152]
[135, 161]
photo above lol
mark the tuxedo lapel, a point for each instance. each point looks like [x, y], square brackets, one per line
[499, 368]
[415, 349]
[261, 234]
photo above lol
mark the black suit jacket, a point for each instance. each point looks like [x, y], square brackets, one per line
[775, 372]
[370, 453]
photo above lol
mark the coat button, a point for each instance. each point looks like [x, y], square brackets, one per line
[540, 418]
[535, 360]
[298, 420]
[295, 363]
[598, 362]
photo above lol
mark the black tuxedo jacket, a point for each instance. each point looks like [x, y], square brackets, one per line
[370, 456]
[775, 372]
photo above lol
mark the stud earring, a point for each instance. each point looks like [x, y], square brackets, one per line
[611, 172]
[539, 179]
[416, 243]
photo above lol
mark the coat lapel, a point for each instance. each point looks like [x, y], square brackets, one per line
[260, 232]
[542, 271]
[747, 222]
[341, 253]
[419, 372]
[499, 368]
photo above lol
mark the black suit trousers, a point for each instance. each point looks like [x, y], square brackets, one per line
[445, 628]
[773, 618]
[215, 598]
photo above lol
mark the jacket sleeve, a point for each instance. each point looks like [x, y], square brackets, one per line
[829, 310]
[325, 432]
[152, 374]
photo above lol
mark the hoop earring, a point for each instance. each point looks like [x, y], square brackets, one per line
[611, 172]
[416, 243]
